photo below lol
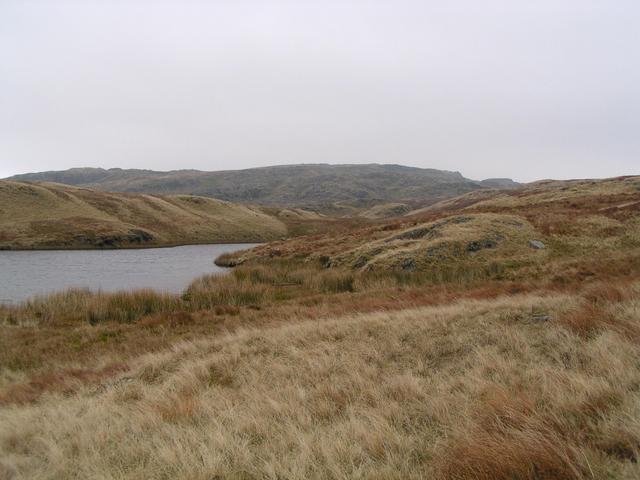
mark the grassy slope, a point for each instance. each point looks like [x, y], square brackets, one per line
[385, 210]
[526, 369]
[471, 390]
[574, 219]
[59, 216]
[320, 186]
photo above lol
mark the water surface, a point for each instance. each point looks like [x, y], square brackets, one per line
[24, 274]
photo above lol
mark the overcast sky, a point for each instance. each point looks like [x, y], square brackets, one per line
[515, 88]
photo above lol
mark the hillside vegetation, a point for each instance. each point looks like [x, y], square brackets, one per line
[493, 229]
[385, 210]
[333, 188]
[59, 216]
[484, 359]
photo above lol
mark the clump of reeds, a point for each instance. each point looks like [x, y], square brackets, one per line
[254, 284]
[73, 306]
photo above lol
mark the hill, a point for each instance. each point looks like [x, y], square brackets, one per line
[486, 229]
[320, 186]
[58, 216]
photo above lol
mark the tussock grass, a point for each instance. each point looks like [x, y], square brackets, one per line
[597, 312]
[215, 290]
[508, 439]
[78, 306]
[469, 390]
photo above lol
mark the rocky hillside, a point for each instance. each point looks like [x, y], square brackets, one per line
[549, 221]
[59, 216]
[319, 186]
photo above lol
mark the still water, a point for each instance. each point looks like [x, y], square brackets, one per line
[24, 274]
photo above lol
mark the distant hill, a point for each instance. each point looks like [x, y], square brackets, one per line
[318, 185]
[503, 183]
[59, 216]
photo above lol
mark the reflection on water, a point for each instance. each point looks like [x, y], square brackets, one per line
[27, 273]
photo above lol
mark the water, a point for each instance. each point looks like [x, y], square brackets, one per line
[24, 274]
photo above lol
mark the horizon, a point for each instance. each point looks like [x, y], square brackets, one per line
[9, 177]
[502, 89]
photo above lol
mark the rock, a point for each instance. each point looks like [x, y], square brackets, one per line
[139, 236]
[325, 261]
[409, 265]
[479, 245]
[537, 244]
[361, 261]
[540, 315]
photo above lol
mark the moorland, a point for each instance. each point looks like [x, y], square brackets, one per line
[493, 335]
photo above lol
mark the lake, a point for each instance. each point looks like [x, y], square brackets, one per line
[24, 274]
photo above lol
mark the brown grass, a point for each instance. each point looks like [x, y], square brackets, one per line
[79, 306]
[596, 312]
[65, 382]
[508, 440]
[467, 390]
[60, 216]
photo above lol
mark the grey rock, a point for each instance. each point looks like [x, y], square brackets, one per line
[537, 244]
[409, 265]
[480, 244]
[361, 261]
[325, 261]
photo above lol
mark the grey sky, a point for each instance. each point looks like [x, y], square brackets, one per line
[513, 88]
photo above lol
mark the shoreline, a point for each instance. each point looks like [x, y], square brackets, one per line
[12, 300]
[129, 247]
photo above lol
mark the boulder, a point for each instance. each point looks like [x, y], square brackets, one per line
[409, 265]
[537, 244]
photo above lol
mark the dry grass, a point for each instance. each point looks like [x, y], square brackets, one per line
[470, 390]
[386, 210]
[61, 216]
[596, 312]
[83, 306]
[459, 240]
[30, 349]
[507, 439]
